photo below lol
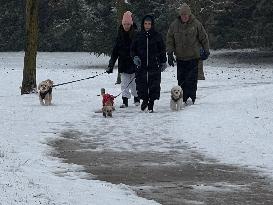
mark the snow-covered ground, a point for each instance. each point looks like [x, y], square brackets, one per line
[231, 122]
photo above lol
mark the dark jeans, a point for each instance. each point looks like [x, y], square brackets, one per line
[187, 72]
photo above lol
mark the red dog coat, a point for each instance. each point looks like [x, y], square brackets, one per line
[107, 98]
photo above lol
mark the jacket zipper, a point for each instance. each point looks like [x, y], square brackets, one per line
[147, 61]
[147, 51]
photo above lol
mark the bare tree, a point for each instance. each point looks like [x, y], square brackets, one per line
[29, 72]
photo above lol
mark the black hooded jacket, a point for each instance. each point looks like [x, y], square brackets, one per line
[121, 50]
[149, 47]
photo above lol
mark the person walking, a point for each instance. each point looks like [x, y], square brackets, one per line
[186, 35]
[121, 51]
[149, 55]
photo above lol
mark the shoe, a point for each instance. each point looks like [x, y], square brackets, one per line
[123, 106]
[144, 105]
[150, 111]
[151, 105]
[125, 102]
[193, 99]
[136, 101]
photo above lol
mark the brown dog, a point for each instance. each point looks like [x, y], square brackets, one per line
[45, 92]
[107, 109]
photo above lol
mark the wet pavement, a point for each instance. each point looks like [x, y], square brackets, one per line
[171, 178]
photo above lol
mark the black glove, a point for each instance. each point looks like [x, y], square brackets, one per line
[171, 59]
[162, 67]
[109, 69]
[204, 54]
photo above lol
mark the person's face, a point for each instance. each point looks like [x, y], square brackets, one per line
[185, 18]
[126, 26]
[147, 25]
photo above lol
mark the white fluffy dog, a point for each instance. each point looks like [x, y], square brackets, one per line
[176, 98]
[45, 92]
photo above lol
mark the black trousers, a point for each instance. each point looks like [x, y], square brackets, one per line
[187, 72]
[148, 83]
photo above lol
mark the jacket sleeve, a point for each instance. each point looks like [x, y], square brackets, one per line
[170, 40]
[203, 37]
[133, 52]
[114, 55]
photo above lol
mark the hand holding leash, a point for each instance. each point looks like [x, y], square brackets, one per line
[109, 69]
[204, 54]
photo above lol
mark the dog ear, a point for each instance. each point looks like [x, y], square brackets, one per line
[181, 94]
[172, 91]
[49, 82]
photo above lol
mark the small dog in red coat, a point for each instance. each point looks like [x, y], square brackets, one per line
[107, 103]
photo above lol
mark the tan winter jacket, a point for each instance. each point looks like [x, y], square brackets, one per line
[186, 39]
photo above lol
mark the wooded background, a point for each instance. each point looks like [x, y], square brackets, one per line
[91, 25]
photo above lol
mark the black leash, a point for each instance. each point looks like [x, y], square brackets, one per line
[79, 80]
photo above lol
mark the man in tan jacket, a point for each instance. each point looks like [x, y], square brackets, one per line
[185, 37]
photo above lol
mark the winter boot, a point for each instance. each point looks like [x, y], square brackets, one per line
[151, 106]
[193, 97]
[144, 105]
[136, 101]
[125, 102]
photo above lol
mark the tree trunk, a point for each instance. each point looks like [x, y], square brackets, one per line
[121, 7]
[29, 72]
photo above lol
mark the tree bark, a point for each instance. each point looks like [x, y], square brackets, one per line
[29, 72]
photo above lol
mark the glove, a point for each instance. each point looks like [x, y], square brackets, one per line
[137, 61]
[171, 59]
[163, 67]
[204, 54]
[109, 69]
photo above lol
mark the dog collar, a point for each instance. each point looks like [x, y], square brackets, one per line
[175, 100]
[45, 93]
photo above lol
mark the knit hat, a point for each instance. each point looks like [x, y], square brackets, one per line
[185, 9]
[127, 18]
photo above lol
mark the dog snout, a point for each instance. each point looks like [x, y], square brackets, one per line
[43, 87]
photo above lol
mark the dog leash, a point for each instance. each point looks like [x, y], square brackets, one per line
[79, 80]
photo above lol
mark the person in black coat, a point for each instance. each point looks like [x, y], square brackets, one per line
[149, 55]
[121, 51]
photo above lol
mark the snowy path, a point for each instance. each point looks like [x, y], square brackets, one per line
[231, 122]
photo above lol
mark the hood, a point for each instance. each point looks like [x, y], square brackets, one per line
[192, 17]
[142, 22]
